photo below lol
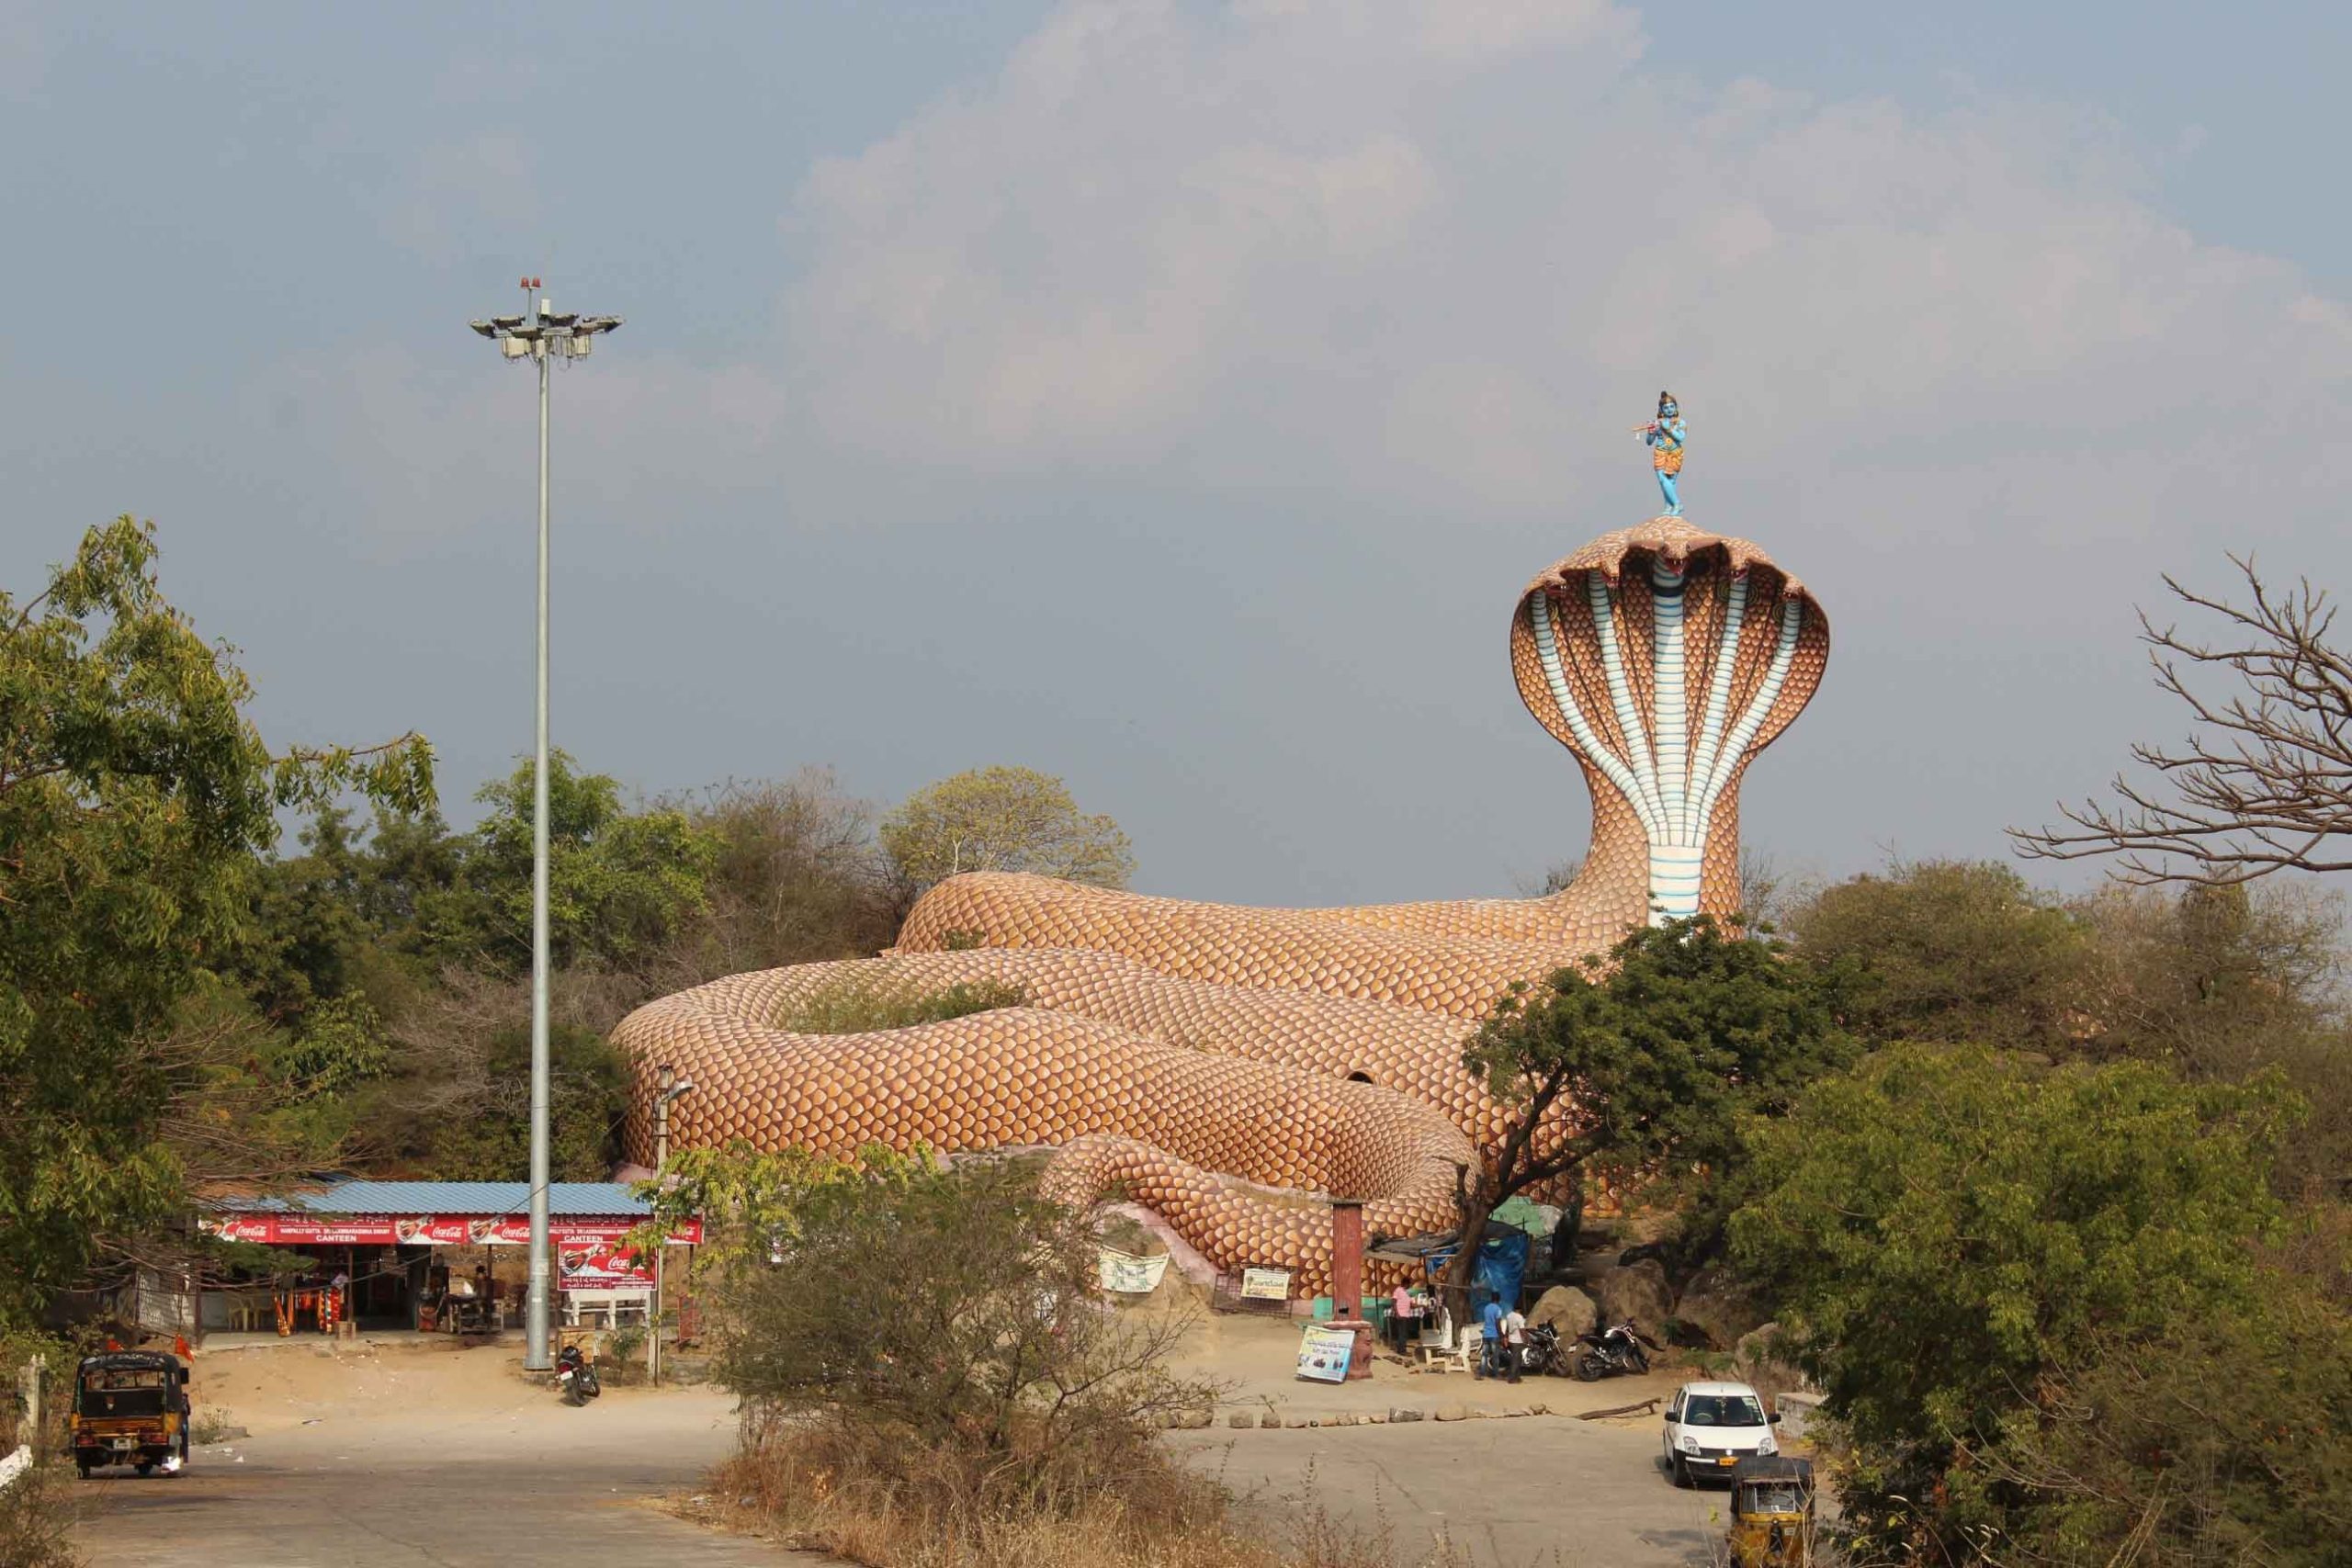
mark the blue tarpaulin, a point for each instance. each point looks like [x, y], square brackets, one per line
[1502, 1265]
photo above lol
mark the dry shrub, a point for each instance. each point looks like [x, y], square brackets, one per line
[831, 1489]
[38, 1512]
[858, 1493]
[931, 1379]
[949, 1313]
[38, 1509]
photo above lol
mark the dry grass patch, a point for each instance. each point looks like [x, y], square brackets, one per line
[862, 1007]
[825, 1489]
[37, 1513]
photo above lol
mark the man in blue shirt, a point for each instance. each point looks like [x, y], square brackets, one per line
[1494, 1341]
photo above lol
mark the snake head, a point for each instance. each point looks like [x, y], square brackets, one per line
[1665, 657]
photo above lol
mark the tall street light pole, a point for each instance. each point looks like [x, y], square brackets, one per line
[671, 1090]
[543, 334]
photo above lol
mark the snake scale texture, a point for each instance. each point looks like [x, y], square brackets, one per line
[1235, 1069]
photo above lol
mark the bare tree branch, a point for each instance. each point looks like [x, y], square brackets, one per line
[2263, 783]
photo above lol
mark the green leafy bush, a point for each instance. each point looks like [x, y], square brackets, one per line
[1943, 1226]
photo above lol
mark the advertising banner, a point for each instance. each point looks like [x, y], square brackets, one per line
[426, 1230]
[599, 1266]
[686, 1233]
[1128, 1274]
[1324, 1353]
[1265, 1284]
[332, 1230]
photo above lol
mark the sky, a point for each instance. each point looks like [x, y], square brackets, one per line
[1176, 397]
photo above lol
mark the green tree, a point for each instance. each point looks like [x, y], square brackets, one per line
[412, 890]
[1948, 950]
[2220, 982]
[797, 877]
[749, 1199]
[587, 1098]
[314, 1074]
[1941, 1225]
[136, 800]
[620, 883]
[1003, 819]
[1648, 1056]
[2223, 1438]
[308, 932]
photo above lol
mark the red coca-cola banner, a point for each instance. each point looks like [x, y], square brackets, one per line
[333, 1229]
[429, 1230]
[598, 1266]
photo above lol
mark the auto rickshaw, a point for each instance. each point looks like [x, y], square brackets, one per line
[1772, 1512]
[131, 1407]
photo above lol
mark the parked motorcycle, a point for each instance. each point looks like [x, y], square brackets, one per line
[575, 1376]
[1543, 1354]
[1609, 1352]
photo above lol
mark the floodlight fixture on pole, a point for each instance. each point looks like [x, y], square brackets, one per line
[543, 334]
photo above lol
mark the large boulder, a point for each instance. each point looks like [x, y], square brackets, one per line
[1715, 1310]
[1566, 1308]
[1636, 1291]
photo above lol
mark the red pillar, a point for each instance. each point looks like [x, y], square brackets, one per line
[1347, 1283]
[1347, 1260]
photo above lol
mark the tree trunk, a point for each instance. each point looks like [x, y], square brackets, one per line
[1477, 1205]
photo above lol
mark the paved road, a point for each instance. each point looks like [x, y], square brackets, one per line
[1537, 1490]
[531, 1482]
[426, 1455]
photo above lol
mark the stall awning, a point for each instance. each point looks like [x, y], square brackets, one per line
[565, 1199]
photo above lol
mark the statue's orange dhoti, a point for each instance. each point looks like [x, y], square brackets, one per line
[1234, 1068]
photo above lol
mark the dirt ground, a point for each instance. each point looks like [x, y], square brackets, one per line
[419, 1450]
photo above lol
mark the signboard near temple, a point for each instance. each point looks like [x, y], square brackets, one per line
[1127, 1274]
[599, 1266]
[332, 1230]
[426, 1230]
[1324, 1353]
[1265, 1284]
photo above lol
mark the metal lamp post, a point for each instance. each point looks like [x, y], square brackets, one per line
[673, 1088]
[541, 334]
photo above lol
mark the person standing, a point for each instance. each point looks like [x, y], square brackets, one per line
[1404, 1319]
[1490, 1338]
[1514, 1326]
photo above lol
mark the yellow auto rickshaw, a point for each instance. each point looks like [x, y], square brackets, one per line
[131, 1407]
[1772, 1512]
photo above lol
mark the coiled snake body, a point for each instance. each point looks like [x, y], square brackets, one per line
[1234, 1069]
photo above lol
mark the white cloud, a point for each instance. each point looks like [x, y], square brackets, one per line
[1444, 252]
[1299, 317]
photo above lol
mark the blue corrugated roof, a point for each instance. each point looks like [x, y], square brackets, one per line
[570, 1200]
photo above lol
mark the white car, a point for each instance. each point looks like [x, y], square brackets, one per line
[1710, 1426]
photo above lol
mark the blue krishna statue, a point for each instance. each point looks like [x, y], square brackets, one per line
[1664, 437]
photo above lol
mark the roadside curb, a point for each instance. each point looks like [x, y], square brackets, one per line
[1294, 1421]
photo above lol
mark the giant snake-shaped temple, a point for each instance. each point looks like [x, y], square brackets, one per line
[1234, 1070]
